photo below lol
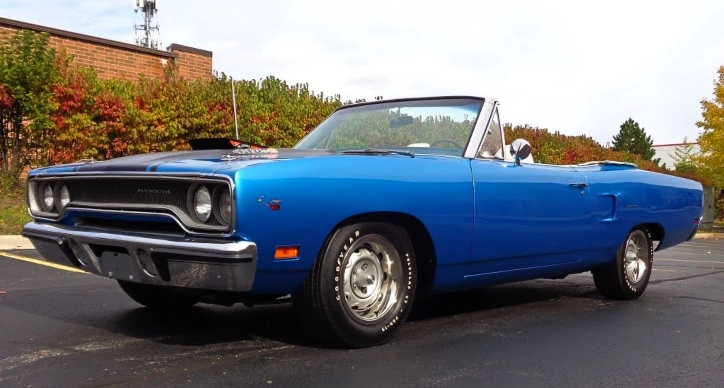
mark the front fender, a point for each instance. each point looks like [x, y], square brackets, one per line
[299, 202]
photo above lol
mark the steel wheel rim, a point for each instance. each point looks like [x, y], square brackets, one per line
[635, 257]
[372, 278]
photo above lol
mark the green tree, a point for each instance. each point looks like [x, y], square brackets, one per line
[633, 139]
[684, 157]
[711, 140]
[28, 71]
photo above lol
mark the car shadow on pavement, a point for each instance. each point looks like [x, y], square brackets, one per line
[499, 298]
[207, 324]
[204, 325]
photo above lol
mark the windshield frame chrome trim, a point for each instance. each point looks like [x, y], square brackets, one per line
[481, 126]
[483, 117]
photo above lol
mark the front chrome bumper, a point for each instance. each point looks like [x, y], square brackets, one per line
[205, 264]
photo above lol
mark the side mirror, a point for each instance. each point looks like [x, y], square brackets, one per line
[520, 149]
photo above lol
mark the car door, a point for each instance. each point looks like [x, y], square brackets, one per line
[526, 216]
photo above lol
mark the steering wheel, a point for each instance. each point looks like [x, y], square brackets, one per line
[453, 142]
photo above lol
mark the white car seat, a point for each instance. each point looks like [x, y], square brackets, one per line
[508, 157]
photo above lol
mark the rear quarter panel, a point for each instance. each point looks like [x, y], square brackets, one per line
[623, 198]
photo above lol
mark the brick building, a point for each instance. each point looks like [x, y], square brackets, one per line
[113, 59]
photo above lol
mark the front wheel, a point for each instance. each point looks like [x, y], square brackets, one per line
[628, 275]
[362, 286]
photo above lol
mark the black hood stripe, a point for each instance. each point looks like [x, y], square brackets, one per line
[152, 161]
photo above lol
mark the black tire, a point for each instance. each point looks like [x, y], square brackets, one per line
[157, 297]
[612, 280]
[323, 302]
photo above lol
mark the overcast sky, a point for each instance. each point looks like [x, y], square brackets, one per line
[570, 66]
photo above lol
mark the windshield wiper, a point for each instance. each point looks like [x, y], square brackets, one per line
[379, 151]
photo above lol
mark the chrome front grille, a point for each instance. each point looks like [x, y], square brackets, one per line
[118, 198]
[130, 191]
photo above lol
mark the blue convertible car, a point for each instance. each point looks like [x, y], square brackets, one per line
[382, 203]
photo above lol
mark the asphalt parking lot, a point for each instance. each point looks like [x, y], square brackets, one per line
[66, 329]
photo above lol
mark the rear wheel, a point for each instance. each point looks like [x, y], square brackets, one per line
[628, 275]
[156, 297]
[362, 286]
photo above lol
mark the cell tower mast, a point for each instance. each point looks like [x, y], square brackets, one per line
[147, 35]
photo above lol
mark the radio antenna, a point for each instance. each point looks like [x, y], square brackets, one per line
[147, 34]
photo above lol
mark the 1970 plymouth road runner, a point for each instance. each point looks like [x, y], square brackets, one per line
[381, 203]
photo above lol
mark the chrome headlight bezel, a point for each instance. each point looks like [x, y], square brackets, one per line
[46, 197]
[223, 204]
[218, 194]
[201, 204]
[59, 191]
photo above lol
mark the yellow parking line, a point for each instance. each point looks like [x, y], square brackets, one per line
[40, 262]
[693, 261]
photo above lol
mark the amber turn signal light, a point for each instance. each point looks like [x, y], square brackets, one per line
[286, 253]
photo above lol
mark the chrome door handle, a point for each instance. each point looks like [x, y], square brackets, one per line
[580, 185]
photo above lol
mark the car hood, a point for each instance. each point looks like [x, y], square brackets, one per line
[202, 162]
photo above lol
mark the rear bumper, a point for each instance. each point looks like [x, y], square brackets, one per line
[696, 227]
[196, 263]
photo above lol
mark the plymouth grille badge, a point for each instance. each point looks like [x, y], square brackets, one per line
[154, 191]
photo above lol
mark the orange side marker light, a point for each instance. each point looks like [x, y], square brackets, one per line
[283, 253]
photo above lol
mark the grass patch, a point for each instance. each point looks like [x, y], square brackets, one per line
[12, 218]
[718, 226]
[13, 211]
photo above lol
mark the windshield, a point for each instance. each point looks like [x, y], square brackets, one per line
[431, 126]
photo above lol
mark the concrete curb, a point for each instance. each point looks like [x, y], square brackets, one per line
[11, 242]
[702, 235]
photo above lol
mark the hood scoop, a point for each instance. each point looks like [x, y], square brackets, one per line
[221, 143]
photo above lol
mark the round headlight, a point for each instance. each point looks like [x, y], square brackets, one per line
[202, 204]
[48, 200]
[225, 206]
[64, 195]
